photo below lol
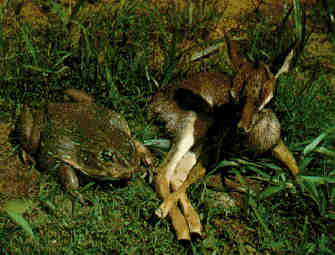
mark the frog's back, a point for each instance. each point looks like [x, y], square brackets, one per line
[90, 125]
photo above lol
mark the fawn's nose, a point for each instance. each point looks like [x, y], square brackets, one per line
[240, 130]
[243, 129]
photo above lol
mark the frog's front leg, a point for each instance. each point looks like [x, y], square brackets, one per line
[70, 180]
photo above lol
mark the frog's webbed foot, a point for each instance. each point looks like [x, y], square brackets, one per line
[70, 181]
[144, 153]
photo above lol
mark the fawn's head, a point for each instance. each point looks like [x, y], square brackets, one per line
[253, 86]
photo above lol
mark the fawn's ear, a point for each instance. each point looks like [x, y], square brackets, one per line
[238, 66]
[286, 65]
[266, 93]
[269, 86]
[237, 85]
[241, 79]
[267, 89]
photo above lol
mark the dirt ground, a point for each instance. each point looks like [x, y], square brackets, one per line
[16, 179]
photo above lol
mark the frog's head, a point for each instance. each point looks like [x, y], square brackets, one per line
[110, 157]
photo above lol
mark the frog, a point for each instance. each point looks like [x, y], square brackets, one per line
[80, 138]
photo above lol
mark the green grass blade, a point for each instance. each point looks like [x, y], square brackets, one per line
[271, 166]
[38, 69]
[1, 38]
[89, 50]
[60, 12]
[158, 143]
[271, 191]
[15, 209]
[225, 163]
[75, 10]
[318, 179]
[18, 206]
[298, 18]
[45, 71]
[325, 151]
[113, 91]
[61, 59]
[253, 203]
[169, 62]
[305, 247]
[309, 148]
[29, 44]
[330, 215]
[21, 222]
[253, 167]
[310, 186]
[86, 187]
[304, 162]
[61, 69]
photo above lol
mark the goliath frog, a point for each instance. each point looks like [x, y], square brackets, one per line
[80, 137]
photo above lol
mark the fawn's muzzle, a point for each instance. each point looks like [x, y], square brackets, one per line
[248, 112]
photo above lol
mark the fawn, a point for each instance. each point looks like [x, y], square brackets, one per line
[186, 108]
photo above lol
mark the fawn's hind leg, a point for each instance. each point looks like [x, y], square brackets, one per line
[281, 152]
[265, 135]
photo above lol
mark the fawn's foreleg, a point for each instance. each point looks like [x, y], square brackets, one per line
[184, 142]
[185, 171]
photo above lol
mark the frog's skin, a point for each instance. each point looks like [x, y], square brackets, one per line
[81, 137]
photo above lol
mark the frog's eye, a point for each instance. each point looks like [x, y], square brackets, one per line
[114, 157]
[108, 156]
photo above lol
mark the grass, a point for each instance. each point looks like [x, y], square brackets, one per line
[121, 56]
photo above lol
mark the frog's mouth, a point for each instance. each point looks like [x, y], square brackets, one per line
[109, 171]
[104, 165]
[117, 161]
